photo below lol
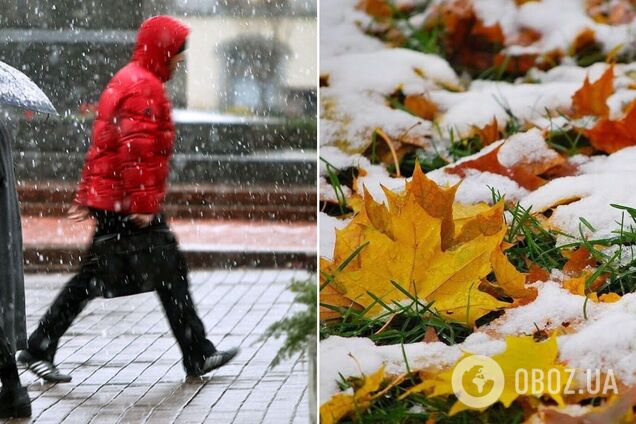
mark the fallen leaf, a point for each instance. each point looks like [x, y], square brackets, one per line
[376, 8]
[591, 98]
[525, 37]
[578, 285]
[508, 278]
[412, 242]
[490, 163]
[609, 297]
[342, 404]
[430, 336]
[536, 273]
[331, 296]
[467, 40]
[489, 133]
[610, 136]
[578, 260]
[612, 412]
[585, 39]
[435, 200]
[522, 353]
[421, 106]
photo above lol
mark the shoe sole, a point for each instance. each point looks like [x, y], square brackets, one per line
[217, 366]
[27, 361]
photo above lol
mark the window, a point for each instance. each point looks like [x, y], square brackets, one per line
[254, 75]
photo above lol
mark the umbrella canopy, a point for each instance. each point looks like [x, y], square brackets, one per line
[16, 89]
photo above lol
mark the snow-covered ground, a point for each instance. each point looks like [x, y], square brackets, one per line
[361, 73]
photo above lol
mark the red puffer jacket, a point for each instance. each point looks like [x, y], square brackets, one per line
[127, 163]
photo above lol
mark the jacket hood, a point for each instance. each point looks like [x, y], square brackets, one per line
[158, 40]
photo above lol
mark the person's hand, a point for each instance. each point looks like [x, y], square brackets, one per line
[141, 220]
[78, 213]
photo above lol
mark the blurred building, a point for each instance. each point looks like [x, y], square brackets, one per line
[244, 57]
[255, 56]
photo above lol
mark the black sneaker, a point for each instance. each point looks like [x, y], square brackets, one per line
[15, 403]
[216, 360]
[44, 369]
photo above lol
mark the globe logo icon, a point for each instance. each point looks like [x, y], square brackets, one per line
[478, 381]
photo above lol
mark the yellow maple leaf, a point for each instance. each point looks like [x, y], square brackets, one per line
[522, 357]
[412, 242]
[342, 404]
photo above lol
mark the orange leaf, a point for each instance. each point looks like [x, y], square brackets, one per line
[591, 98]
[609, 297]
[430, 336]
[578, 261]
[584, 39]
[610, 136]
[436, 201]
[492, 33]
[516, 64]
[467, 40]
[421, 106]
[489, 133]
[376, 8]
[564, 169]
[536, 273]
[526, 36]
[490, 163]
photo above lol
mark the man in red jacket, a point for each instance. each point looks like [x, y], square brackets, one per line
[123, 185]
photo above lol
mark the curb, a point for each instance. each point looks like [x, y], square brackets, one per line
[58, 259]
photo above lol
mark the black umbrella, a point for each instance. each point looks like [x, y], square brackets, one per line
[16, 89]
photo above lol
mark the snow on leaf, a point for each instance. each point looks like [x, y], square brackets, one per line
[618, 411]
[489, 133]
[421, 106]
[412, 242]
[342, 404]
[490, 163]
[610, 136]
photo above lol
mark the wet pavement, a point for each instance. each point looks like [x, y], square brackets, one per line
[126, 366]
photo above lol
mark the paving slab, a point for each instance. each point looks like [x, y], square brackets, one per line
[126, 366]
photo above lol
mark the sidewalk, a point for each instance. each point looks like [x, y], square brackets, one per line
[126, 365]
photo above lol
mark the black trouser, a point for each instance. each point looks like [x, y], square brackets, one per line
[175, 298]
[8, 369]
[6, 353]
